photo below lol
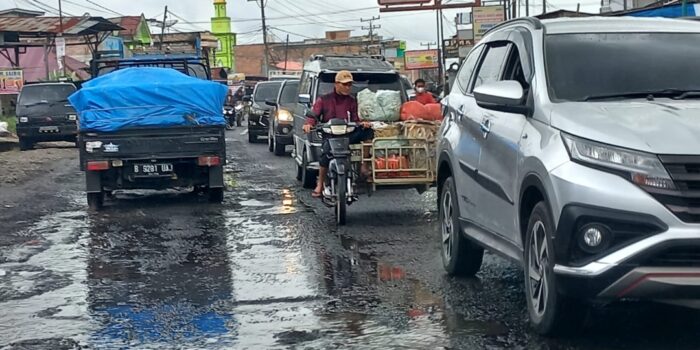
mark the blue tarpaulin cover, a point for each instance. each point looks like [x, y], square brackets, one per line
[148, 97]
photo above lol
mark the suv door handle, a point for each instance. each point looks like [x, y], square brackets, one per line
[485, 126]
[460, 113]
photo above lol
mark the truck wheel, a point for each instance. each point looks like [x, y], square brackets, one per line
[550, 312]
[25, 144]
[216, 195]
[460, 257]
[95, 201]
[308, 177]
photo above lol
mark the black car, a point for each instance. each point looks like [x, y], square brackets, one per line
[281, 131]
[44, 114]
[259, 114]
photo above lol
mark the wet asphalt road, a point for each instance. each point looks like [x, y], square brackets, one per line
[268, 269]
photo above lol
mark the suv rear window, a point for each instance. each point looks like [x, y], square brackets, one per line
[373, 81]
[580, 66]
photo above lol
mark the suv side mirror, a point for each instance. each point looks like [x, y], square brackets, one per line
[246, 98]
[305, 99]
[503, 96]
[271, 103]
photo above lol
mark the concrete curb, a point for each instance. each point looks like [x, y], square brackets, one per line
[8, 144]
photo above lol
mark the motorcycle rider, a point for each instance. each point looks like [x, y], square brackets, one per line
[338, 104]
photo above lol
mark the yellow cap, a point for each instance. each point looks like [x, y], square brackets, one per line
[343, 77]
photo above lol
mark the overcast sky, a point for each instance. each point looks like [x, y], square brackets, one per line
[298, 18]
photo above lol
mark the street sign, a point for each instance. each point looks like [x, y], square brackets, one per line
[485, 18]
[11, 81]
[455, 48]
[60, 46]
[422, 59]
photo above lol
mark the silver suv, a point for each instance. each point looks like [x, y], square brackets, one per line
[573, 147]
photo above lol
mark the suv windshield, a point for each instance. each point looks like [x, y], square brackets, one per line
[266, 91]
[373, 81]
[621, 65]
[290, 93]
[33, 95]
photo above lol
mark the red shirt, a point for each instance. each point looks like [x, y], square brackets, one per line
[335, 105]
[425, 98]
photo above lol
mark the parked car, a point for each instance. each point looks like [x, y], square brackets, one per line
[44, 114]
[258, 115]
[151, 128]
[571, 146]
[317, 80]
[280, 133]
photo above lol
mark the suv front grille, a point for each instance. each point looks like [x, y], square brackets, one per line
[684, 202]
[688, 256]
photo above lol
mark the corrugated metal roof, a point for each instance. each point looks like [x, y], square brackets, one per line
[51, 25]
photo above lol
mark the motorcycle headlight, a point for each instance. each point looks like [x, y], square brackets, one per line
[639, 167]
[339, 129]
[23, 119]
[284, 116]
[72, 117]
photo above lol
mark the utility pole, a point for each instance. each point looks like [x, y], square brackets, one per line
[60, 20]
[286, 54]
[371, 29]
[162, 31]
[266, 60]
[544, 6]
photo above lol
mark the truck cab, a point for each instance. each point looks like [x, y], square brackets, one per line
[44, 114]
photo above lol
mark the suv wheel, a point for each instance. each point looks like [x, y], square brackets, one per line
[460, 257]
[308, 178]
[550, 312]
[270, 139]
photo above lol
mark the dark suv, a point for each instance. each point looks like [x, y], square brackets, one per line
[44, 114]
[282, 120]
[259, 114]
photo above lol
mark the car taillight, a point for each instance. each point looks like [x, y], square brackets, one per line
[98, 165]
[208, 161]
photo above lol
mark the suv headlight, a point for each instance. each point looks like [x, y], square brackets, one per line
[641, 168]
[72, 117]
[23, 119]
[284, 116]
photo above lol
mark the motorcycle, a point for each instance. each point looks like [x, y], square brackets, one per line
[340, 187]
[239, 110]
[230, 115]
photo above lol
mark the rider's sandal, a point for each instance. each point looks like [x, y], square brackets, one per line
[316, 194]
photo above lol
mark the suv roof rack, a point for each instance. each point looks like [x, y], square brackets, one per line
[535, 22]
[321, 57]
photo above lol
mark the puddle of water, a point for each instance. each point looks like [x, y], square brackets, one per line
[53, 278]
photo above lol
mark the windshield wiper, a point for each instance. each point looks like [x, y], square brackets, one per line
[676, 94]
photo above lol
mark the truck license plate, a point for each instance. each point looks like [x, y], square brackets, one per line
[50, 129]
[153, 169]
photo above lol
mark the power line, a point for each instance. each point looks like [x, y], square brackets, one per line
[104, 7]
[81, 6]
[335, 12]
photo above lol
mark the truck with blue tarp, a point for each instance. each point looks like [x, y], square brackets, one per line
[151, 128]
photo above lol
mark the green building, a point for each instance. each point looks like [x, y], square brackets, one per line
[221, 28]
